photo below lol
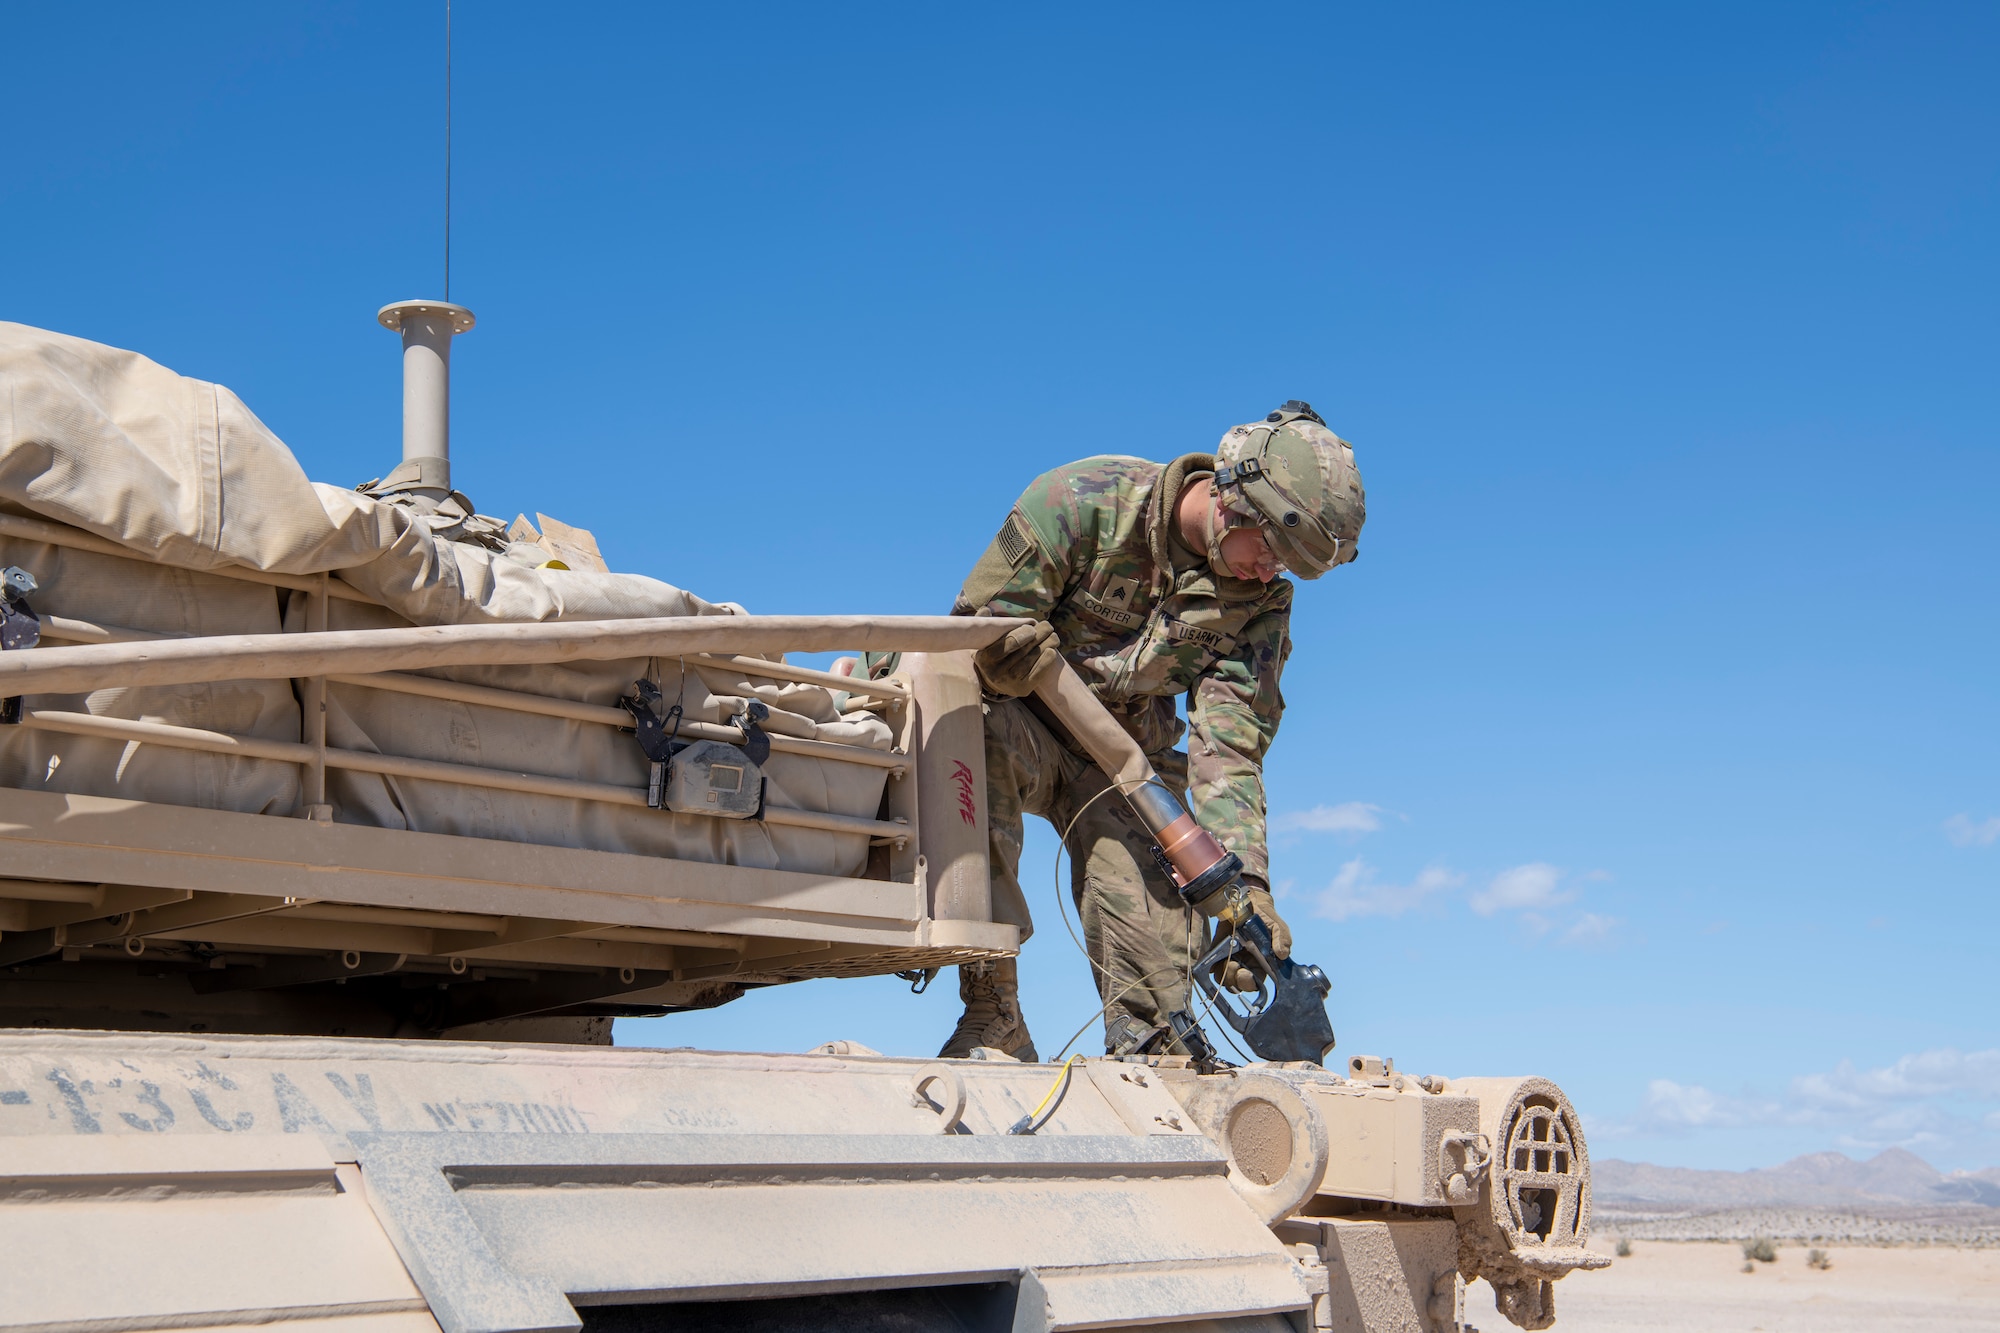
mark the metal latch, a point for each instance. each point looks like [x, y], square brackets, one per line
[755, 743]
[656, 739]
[1463, 1160]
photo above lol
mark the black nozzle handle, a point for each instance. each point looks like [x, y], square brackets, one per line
[1287, 1021]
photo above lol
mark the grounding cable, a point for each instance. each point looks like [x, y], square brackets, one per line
[1062, 910]
[1034, 1119]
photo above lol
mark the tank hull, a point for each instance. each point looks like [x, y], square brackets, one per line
[156, 1181]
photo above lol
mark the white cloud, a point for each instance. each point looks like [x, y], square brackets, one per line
[1965, 832]
[1670, 1107]
[1355, 891]
[1943, 1073]
[1928, 1100]
[1347, 817]
[1590, 928]
[1524, 888]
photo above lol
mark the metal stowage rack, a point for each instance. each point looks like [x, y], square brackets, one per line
[493, 928]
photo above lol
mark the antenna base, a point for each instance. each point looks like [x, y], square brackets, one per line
[391, 316]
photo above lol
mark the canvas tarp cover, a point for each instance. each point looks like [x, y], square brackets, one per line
[183, 474]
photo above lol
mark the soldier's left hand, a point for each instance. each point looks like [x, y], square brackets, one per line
[1232, 975]
[1267, 911]
[1011, 664]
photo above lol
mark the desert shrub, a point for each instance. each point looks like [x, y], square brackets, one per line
[1818, 1259]
[1624, 1248]
[1762, 1249]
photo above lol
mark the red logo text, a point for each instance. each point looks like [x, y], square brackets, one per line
[961, 777]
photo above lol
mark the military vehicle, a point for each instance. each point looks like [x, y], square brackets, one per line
[337, 826]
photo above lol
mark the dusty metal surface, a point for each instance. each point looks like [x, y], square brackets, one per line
[211, 903]
[1380, 1276]
[518, 1187]
[516, 1183]
[130, 1232]
[1528, 1226]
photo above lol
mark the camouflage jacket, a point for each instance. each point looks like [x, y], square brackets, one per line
[1088, 548]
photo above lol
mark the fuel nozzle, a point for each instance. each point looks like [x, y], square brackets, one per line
[1288, 1020]
[1199, 866]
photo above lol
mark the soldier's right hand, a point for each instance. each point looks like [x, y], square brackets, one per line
[1011, 664]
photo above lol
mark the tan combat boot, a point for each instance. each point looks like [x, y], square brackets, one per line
[991, 991]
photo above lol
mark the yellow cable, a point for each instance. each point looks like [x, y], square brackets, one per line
[1026, 1124]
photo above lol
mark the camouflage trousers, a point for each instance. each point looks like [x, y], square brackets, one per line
[1141, 938]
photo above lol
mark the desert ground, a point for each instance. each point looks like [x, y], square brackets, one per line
[1701, 1285]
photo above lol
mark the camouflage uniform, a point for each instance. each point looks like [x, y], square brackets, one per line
[1093, 549]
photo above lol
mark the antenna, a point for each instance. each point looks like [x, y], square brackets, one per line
[447, 150]
[428, 328]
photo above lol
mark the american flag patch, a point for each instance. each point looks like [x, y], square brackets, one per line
[1014, 540]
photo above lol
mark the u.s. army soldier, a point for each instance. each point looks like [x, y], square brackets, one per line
[1157, 583]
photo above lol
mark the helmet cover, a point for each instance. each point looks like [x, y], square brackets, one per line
[1299, 480]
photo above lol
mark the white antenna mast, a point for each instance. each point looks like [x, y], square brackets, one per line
[428, 328]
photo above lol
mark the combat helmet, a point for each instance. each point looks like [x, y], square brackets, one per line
[1297, 479]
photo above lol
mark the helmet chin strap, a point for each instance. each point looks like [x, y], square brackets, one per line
[1212, 531]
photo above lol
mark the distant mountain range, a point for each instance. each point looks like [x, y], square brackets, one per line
[1822, 1178]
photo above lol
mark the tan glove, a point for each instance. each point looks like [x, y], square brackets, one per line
[1262, 904]
[1234, 975]
[1010, 664]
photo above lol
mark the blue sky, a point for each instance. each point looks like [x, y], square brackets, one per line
[1649, 745]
